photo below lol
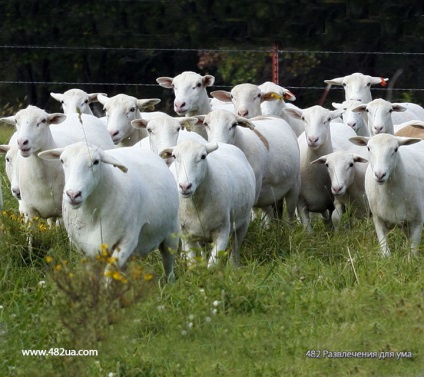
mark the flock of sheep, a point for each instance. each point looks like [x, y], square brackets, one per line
[135, 180]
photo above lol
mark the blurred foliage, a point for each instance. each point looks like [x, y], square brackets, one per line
[102, 43]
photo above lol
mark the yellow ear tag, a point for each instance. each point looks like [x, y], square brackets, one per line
[277, 96]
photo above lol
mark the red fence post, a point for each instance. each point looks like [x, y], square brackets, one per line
[275, 63]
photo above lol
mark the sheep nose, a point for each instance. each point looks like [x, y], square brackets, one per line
[16, 192]
[351, 124]
[73, 194]
[113, 133]
[179, 105]
[23, 142]
[185, 186]
[336, 189]
[379, 175]
[378, 129]
[312, 140]
[243, 113]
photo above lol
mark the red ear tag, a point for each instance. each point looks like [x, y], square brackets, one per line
[383, 82]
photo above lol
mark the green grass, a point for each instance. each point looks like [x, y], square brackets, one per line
[292, 293]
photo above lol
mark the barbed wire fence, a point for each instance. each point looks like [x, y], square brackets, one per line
[269, 51]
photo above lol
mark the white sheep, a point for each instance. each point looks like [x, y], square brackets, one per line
[120, 111]
[165, 131]
[125, 198]
[191, 97]
[315, 193]
[76, 100]
[355, 120]
[11, 152]
[41, 182]
[393, 184]
[277, 106]
[271, 149]
[357, 86]
[416, 129]
[382, 115]
[347, 183]
[217, 191]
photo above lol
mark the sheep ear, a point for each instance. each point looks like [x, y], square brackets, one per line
[51, 154]
[92, 97]
[188, 122]
[243, 122]
[398, 107]
[321, 160]
[336, 81]
[379, 80]
[294, 113]
[337, 105]
[148, 104]
[336, 113]
[166, 153]
[165, 82]
[222, 95]
[360, 108]
[4, 148]
[408, 140]
[271, 96]
[102, 99]
[139, 123]
[210, 147]
[288, 95]
[358, 158]
[55, 118]
[208, 80]
[362, 141]
[8, 120]
[108, 159]
[57, 96]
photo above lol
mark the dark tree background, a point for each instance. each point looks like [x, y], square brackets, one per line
[100, 45]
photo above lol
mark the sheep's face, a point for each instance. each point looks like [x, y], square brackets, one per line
[162, 133]
[247, 99]
[74, 101]
[12, 171]
[383, 152]
[191, 165]
[32, 127]
[120, 111]
[317, 126]
[82, 168]
[189, 88]
[221, 126]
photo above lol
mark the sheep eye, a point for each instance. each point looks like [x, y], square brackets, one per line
[351, 164]
[199, 85]
[7, 159]
[368, 149]
[44, 121]
[149, 130]
[396, 149]
[329, 119]
[326, 164]
[367, 110]
[86, 101]
[203, 156]
[178, 129]
[391, 110]
[132, 109]
[62, 102]
[231, 96]
[344, 84]
[369, 84]
[96, 162]
[173, 155]
[61, 160]
[303, 118]
[206, 125]
[234, 125]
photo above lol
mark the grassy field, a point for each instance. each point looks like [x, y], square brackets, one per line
[327, 294]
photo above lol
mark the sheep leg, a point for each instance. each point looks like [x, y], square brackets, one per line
[168, 249]
[336, 216]
[189, 251]
[220, 244]
[415, 236]
[381, 229]
[291, 203]
[303, 213]
[239, 235]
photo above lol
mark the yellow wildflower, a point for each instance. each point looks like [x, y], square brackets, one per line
[112, 260]
[58, 267]
[148, 276]
[49, 259]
